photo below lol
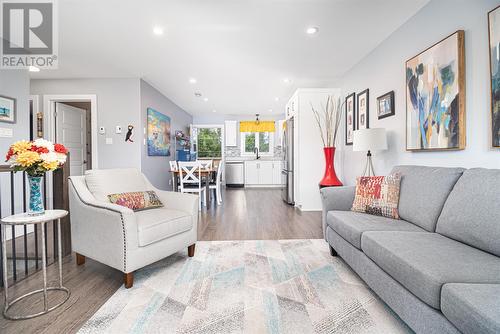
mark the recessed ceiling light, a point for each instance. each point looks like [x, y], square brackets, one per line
[312, 30]
[214, 110]
[276, 99]
[33, 69]
[158, 30]
[287, 81]
[270, 110]
[205, 99]
[193, 80]
[197, 94]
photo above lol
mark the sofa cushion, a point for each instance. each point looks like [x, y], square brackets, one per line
[158, 224]
[102, 182]
[423, 261]
[351, 225]
[423, 192]
[472, 308]
[472, 212]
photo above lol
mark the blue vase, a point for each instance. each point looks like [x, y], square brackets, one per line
[36, 201]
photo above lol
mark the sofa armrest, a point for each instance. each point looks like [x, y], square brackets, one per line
[102, 231]
[336, 198]
[179, 201]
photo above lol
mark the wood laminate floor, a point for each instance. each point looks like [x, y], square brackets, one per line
[246, 214]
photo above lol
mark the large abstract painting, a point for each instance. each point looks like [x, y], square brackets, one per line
[158, 133]
[435, 96]
[494, 24]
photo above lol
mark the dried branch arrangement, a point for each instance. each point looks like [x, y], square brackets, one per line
[329, 120]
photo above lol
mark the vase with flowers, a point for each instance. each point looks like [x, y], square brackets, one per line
[36, 158]
[328, 121]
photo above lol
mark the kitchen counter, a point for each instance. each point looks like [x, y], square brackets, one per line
[252, 158]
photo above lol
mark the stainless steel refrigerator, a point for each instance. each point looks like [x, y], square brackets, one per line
[287, 172]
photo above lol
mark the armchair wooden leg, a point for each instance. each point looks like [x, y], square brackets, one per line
[191, 250]
[80, 259]
[128, 280]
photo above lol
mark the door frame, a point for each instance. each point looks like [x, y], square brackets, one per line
[49, 115]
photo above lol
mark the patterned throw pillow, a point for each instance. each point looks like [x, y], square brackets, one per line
[378, 195]
[139, 200]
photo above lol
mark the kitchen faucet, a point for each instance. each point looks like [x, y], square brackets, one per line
[256, 151]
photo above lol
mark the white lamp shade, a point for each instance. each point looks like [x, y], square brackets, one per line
[369, 140]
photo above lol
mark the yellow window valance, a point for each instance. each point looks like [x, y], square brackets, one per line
[262, 126]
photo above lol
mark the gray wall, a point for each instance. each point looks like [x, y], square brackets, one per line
[156, 168]
[15, 84]
[383, 70]
[118, 103]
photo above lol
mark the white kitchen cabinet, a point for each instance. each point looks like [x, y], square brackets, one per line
[277, 167]
[262, 173]
[251, 173]
[265, 172]
[231, 133]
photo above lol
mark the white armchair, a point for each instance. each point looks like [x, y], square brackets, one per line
[119, 237]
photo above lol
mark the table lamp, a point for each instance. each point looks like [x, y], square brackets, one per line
[369, 140]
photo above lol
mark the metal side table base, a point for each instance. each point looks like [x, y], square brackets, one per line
[42, 220]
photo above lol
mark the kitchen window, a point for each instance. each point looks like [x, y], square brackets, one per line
[264, 141]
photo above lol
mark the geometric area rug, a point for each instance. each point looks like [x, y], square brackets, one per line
[256, 286]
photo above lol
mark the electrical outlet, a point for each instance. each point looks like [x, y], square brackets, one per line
[169, 182]
[118, 129]
[109, 141]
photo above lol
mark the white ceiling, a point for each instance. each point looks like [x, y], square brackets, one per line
[239, 51]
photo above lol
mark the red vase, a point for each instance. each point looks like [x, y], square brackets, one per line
[330, 178]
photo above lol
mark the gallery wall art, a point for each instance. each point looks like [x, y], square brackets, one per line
[350, 116]
[385, 105]
[158, 133]
[7, 109]
[494, 33]
[435, 96]
[363, 114]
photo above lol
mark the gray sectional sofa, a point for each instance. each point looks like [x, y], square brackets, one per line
[438, 267]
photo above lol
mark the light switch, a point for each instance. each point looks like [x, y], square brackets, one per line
[102, 130]
[6, 133]
[118, 129]
[109, 141]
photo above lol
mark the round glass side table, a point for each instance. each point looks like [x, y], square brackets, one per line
[25, 219]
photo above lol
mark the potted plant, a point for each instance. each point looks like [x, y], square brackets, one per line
[36, 158]
[328, 121]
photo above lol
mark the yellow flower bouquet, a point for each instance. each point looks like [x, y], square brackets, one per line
[36, 158]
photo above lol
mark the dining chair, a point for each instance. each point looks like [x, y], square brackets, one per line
[190, 179]
[206, 164]
[217, 184]
[173, 168]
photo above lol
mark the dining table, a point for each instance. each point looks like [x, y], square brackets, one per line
[207, 175]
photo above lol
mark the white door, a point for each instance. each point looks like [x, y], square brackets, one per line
[251, 173]
[71, 132]
[265, 172]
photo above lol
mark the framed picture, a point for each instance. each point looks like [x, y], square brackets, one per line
[385, 105]
[7, 109]
[494, 35]
[158, 133]
[350, 116]
[363, 117]
[435, 96]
